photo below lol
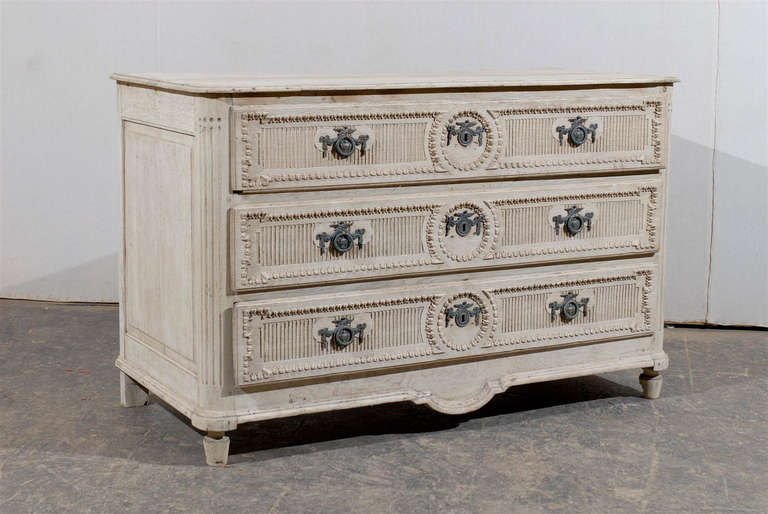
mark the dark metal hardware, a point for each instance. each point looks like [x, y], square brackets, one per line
[462, 313]
[577, 133]
[569, 307]
[342, 334]
[573, 221]
[344, 143]
[465, 133]
[342, 239]
[464, 221]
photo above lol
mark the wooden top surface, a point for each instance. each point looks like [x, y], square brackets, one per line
[253, 83]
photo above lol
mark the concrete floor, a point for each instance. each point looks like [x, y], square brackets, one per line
[588, 444]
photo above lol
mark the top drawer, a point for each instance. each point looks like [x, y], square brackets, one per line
[293, 147]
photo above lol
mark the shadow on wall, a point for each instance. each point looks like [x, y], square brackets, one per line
[717, 242]
[689, 218]
[92, 281]
[738, 273]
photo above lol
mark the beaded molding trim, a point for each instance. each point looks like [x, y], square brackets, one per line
[265, 277]
[553, 335]
[576, 160]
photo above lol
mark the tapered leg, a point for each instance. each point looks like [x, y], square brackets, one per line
[132, 394]
[216, 446]
[651, 381]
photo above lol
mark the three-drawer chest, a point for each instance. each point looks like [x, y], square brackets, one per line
[302, 244]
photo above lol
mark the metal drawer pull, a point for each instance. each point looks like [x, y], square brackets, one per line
[343, 334]
[344, 143]
[573, 221]
[569, 307]
[465, 133]
[577, 133]
[464, 221]
[342, 239]
[462, 313]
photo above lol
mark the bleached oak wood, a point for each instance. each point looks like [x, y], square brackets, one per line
[132, 394]
[244, 83]
[275, 147]
[651, 381]
[275, 244]
[223, 239]
[216, 447]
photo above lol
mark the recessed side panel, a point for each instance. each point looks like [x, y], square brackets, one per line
[158, 240]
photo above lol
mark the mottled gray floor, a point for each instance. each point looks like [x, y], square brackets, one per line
[587, 444]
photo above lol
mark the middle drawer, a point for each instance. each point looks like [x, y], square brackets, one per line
[375, 234]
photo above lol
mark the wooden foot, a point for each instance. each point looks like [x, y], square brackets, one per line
[132, 394]
[216, 446]
[651, 381]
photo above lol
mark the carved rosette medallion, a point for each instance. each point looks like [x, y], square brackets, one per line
[461, 321]
[464, 141]
[462, 232]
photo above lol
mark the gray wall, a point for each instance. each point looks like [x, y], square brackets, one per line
[59, 175]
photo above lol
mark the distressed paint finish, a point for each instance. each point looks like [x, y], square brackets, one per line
[222, 240]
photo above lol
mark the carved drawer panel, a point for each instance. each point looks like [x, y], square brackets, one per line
[299, 147]
[421, 322]
[417, 232]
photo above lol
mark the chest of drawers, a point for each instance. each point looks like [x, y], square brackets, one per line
[296, 245]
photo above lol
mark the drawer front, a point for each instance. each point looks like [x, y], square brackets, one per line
[301, 147]
[435, 321]
[424, 232]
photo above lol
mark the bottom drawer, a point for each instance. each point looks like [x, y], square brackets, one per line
[427, 321]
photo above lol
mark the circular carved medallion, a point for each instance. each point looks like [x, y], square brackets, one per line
[462, 321]
[464, 140]
[462, 232]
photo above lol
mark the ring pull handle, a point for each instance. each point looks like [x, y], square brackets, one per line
[578, 132]
[574, 220]
[342, 334]
[569, 307]
[344, 143]
[342, 239]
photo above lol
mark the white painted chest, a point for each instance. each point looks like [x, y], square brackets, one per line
[296, 245]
